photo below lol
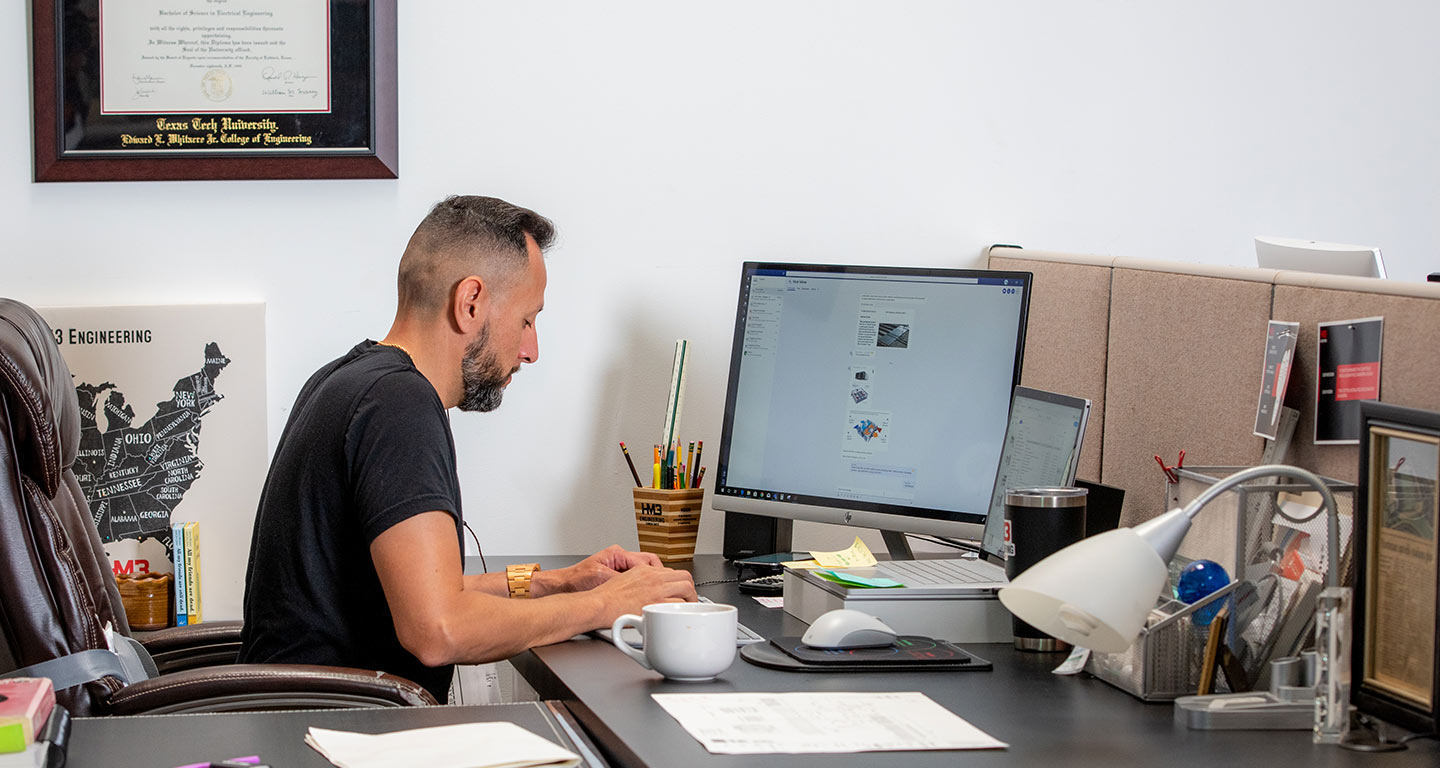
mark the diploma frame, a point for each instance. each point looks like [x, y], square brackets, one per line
[375, 156]
[1390, 503]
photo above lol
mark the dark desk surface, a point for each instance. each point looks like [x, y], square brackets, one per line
[1046, 719]
[161, 741]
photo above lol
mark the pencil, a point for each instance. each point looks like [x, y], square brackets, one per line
[699, 477]
[630, 464]
[699, 449]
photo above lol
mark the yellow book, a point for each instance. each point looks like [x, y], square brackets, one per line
[192, 571]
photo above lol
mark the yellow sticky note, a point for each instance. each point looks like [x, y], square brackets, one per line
[802, 564]
[857, 556]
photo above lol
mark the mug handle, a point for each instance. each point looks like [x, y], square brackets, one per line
[629, 620]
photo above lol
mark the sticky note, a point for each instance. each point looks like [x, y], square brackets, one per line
[857, 556]
[841, 577]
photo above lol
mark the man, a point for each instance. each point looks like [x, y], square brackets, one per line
[356, 556]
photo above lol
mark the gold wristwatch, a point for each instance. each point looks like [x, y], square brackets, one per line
[517, 579]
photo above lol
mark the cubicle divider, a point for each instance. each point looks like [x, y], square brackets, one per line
[1069, 329]
[1171, 354]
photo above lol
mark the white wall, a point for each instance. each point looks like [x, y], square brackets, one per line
[670, 141]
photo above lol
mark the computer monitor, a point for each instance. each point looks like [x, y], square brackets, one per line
[870, 396]
[1312, 256]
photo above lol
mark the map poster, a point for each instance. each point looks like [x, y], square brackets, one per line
[1348, 371]
[172, 419]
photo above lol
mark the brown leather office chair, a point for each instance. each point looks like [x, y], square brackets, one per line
[57, 594]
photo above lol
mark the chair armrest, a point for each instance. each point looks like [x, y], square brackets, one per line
[260, 687]
[207, 644]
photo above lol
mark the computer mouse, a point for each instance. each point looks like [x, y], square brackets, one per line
[846, 628]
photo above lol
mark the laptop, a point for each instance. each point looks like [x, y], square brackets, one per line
[1042, 444]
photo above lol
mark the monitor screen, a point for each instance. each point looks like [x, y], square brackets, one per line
[870, 396]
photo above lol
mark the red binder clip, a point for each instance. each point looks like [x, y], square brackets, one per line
[1170, 471]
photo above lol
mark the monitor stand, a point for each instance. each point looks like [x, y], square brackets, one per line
[897, 545]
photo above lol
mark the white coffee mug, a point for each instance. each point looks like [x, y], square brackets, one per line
[682, 641]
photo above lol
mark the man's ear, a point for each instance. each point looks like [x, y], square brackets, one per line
[470, 304]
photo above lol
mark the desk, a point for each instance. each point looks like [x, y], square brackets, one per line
[160, 741]
[1046, 719]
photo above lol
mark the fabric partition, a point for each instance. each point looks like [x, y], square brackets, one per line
[1183, 375]
[1066, 337]
[1171, 356]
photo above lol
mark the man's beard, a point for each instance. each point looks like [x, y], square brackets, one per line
[482, 376]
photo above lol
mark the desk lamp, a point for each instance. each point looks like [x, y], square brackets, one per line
[1097, 592]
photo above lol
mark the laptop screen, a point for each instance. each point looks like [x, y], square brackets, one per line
[1041, 449]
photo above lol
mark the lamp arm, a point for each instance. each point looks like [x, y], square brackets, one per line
[1327, 504]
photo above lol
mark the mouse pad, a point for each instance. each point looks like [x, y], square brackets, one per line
[908, 651]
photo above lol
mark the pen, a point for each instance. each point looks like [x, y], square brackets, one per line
[630, 464]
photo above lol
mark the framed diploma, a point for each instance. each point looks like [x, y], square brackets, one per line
[1396, 662]
[214, 89]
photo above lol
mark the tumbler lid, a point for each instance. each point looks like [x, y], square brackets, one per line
[1045, 497]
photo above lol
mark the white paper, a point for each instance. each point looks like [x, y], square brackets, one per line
[1074, 663]
[805, 723]
[214, 56]
[466, 745]
[1313, 549]
[770, 602]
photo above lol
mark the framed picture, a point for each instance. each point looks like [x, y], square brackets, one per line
[1396, 663]
[139, 90]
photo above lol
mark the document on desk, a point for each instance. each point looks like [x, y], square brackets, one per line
[805, 723]
[465, 745]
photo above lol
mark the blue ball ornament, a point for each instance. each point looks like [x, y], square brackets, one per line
[1197, 580]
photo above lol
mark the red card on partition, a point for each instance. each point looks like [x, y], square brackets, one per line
[1359, 381]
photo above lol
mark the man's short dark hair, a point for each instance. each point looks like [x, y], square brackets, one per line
[467, 235]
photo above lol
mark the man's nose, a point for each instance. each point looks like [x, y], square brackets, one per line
[530, 349]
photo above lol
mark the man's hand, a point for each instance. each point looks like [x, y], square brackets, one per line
[594, 571]
[640, 586]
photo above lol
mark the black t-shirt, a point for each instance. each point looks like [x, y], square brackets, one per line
[367, 445]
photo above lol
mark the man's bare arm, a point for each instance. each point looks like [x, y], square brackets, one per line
[586, 574]
[442, 620]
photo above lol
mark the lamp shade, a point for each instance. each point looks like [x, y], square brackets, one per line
[1095, 593]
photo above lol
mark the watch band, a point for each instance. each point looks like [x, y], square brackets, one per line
[517, 579]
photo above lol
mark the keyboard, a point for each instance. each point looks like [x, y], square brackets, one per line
[743, 634]
[921, 573]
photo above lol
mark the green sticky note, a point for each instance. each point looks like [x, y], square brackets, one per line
[850, 579]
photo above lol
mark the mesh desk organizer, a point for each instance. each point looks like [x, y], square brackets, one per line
[1277, 570]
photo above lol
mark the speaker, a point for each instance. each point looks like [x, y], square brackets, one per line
[749, 535]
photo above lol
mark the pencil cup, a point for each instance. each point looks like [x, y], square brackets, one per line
[667, 521]
[146, 597]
